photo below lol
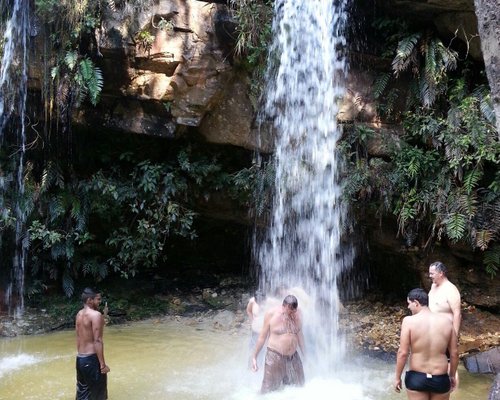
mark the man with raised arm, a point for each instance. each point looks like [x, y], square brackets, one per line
[91, 369]
[425, 338]
[283, 330]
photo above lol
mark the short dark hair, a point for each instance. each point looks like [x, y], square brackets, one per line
[88, 293]
[291, 301]
[440, 267]
[420, 295]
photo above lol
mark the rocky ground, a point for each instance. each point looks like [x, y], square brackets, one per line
[372, 324]
[376, 327]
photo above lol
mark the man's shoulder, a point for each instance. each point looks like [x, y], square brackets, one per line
[450, 286]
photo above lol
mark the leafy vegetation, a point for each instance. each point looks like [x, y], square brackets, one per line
[118, 219]
[254, 37]
[441, 181]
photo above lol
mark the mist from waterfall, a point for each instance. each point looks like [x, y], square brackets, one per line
[13, 94]
[302, 247]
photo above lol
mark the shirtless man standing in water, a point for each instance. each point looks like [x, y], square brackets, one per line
[444, 296]
[283, 329]
[91, 369]
[425, 338]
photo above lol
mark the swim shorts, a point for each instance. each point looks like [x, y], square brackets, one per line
[422, 382]
[281, 370]
[90, 383]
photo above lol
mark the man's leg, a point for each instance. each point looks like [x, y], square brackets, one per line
[274, 372]
[415, 395]
[440, 396]
[82, 389]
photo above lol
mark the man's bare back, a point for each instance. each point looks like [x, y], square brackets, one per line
[91, 369]
[430, 334]
[425, 339]
[89, 323]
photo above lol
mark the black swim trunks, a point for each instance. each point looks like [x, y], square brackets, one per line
[423, 382]
[90, 383]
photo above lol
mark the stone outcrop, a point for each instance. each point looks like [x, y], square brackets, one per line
[167, 68]
[488, 15]
[487, 362]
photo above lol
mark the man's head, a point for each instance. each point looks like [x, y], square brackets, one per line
[91, 298]
[437, 272]
[290, 303]
[416, 299]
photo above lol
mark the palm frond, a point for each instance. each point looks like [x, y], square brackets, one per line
[471, 180]
[380, 84]
[406, 48]
[455, 226]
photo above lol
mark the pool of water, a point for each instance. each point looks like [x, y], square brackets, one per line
[176, 360]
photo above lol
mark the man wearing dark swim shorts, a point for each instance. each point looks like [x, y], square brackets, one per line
[281, 370]
[421, 382]
[283, 329]
[425, 339]
[90, 383]
[91, 369]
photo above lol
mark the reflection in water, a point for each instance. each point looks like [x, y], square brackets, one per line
[175, 361]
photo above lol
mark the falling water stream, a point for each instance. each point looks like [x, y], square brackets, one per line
[302, 248]
[13, 93]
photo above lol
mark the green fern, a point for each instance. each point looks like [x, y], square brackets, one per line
[92, 80]
[456, 226]
[68, 283]
[492, 260]
[380, 84]
[71, 59]
[472, 179]
[483, 238]
[405, 53]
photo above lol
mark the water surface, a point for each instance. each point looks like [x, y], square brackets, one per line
[178, 361]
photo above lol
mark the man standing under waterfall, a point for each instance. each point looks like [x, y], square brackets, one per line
[283, 330]
[91, 369]
[425, 338]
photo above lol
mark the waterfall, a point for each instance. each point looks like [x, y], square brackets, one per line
[13, 93]
[302, 246]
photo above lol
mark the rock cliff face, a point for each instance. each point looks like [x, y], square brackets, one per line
[169, 67]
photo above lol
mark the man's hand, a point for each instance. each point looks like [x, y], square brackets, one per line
[397, 385]
[255, 367]
[105, 369]
[453, 383]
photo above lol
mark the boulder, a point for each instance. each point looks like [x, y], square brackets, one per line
[487, 362]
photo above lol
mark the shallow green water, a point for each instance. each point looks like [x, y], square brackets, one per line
[175, 361]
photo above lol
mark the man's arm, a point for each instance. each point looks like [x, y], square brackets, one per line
[453, 350]
[264, 333]
[302, 347]
[249, 309]
[97, 331]
[403, 351]
[455, 306]
[300, 337]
